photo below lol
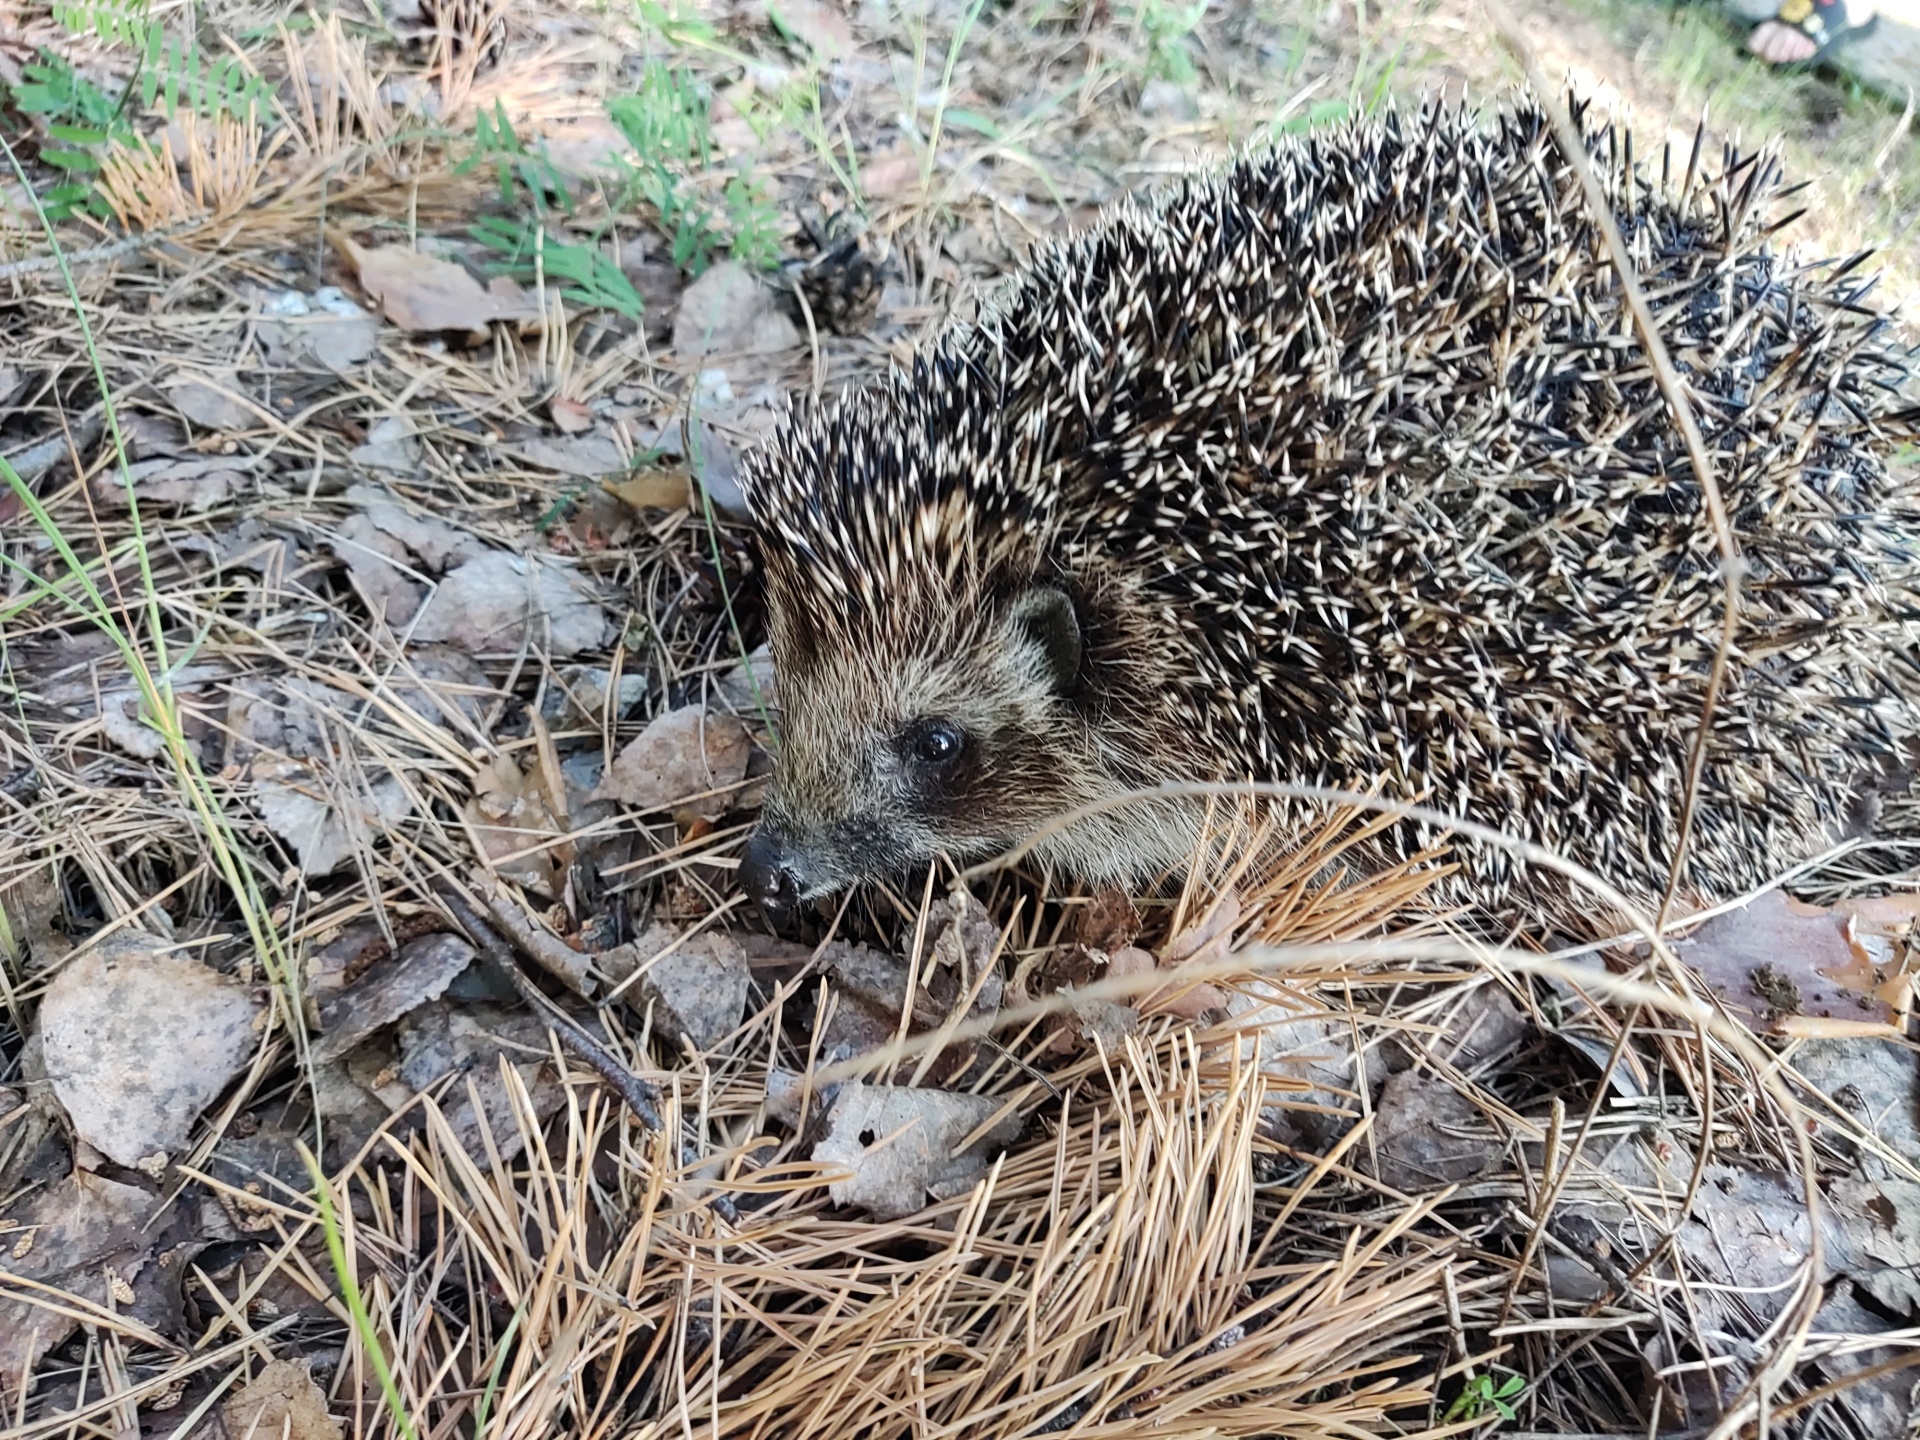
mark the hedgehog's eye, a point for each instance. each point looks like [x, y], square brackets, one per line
[935, 742]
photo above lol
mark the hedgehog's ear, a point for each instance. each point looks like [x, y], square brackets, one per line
[1046, 616]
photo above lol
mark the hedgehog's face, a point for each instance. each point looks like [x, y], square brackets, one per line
[959, 742]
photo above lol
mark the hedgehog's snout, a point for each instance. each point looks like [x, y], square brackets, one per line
[771, 879]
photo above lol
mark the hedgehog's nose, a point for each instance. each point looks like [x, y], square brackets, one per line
[767, 875]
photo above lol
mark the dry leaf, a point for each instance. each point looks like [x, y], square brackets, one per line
[578, 695]
[1777, 957]
[69, 1237]
[325, 328]
[698, 990]
[139, 1040]
[689, 758]
[570, 417]
[747, 688]
[496, 602]
[280, 1403]
[889, 177]
[1109, 921]
[582, 149]
[729, 311]
[393, 443]
[437, 543]
[425, 295]
[899, 1145]
[198, 482]
[1748, 1229]
[820, 27]
[513, 822]
[374, 559]
[302, 808]
[1426, 1133]
[210, 406]
[1202, 944]
[654, 490]
[587, 456]
[469, 1041]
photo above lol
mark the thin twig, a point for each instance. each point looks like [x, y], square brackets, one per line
[640, 1097]
[111, 250]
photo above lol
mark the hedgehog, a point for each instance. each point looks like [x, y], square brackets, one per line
[1344, 465]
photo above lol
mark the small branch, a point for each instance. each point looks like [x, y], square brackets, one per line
[638, 1096]
[111, 250]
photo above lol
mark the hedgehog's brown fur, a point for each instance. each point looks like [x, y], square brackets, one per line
[1350, 467]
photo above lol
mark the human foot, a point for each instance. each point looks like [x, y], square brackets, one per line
[1802, 31]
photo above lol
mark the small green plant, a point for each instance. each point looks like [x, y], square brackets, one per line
[528, 250]
[82, 119]
[171, 74]
[495, 143]
[674, 29]
[1321, 112]
[1481, 1397]
[530, 254]
[755, 224]
[1165, 29]
[665, 121]
[175, 76]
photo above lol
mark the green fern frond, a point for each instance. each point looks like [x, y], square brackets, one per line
[174, 75]
[121, 22]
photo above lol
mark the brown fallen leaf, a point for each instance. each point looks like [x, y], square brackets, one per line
[495, 602]
[685, 759]
[668, 489]
[888, 177]
[326, 816]
[570, 417]
[1779, 957]
[129, 1097]
[897, 1146]
[1200, 944]
[587, 456]
[470, 1040]
[1426, 1133]
[197, 483]
[393, 443]
[697, 985]
[280, 1403]
[730, 311]
[211, 405]
[78, 1236]
[1109, 921]
[324, 328]
[512, 820]
[438, 544]
[425, 295]
[820, 27]
[378, 564]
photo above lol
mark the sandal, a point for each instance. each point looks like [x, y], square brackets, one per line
[1822, 23]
